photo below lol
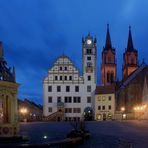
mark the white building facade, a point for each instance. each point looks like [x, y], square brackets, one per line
[66, 91]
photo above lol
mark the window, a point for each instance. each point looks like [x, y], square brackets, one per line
[99, 107]
[76, 88]
[60, 77]
[76, 110]
[60, 68]
[58, 99]
[56, 77]
[65, 77]
[58, 88]
[109, 98]
[49, 88]
[112, 77]
[68, 110]
[109, 60]
[103, 107]
[103, 98]
[49, 99]
[89, 88]
[49, 109]
[70, 77]
[99, 98]
[88, 51]
[108, 77]
[88, 99]
[68, 99]
[88, 58]
[109, 107]
[89, 64]
[89, 78]
[65, 68]
[76, 99]
[67, 88]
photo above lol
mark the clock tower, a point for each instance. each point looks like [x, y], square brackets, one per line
[89, 58]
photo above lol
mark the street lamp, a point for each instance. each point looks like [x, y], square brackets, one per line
[123, 114]
[24, 111]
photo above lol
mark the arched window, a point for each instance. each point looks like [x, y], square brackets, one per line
[108, 77]
[112, 77]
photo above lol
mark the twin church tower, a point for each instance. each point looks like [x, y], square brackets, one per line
[108, 65]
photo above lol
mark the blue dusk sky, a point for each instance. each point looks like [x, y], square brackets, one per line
[35, 32]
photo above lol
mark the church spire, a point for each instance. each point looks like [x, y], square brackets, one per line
[108, 39]
[130, 46]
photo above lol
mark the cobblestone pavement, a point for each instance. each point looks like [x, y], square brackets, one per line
[104, 134]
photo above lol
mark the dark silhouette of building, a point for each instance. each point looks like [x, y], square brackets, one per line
[130, 91]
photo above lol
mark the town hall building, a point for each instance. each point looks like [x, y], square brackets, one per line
[67, 94]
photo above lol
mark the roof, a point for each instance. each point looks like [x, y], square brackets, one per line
[108, 89]
[133, 75]
[6, 74]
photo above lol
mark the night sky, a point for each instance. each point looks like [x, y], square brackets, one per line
[36, 32]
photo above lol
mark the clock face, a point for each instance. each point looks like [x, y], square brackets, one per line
[89, 42]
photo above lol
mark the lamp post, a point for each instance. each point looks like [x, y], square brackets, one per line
[24, 111]
[123, 113]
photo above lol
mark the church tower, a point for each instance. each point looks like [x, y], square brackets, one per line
[89, 59]
[130, 57]
[108, 66]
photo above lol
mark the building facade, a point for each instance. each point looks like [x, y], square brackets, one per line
[67, 95]
[132, 92]
[29, 111]
[8, 99]
[105, 102]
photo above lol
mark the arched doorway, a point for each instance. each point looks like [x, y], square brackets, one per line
[88, 114]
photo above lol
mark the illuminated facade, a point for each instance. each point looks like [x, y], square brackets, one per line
[108, 66]
[105, 102]
[8, 99]
[130, 58]
[67, 95]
